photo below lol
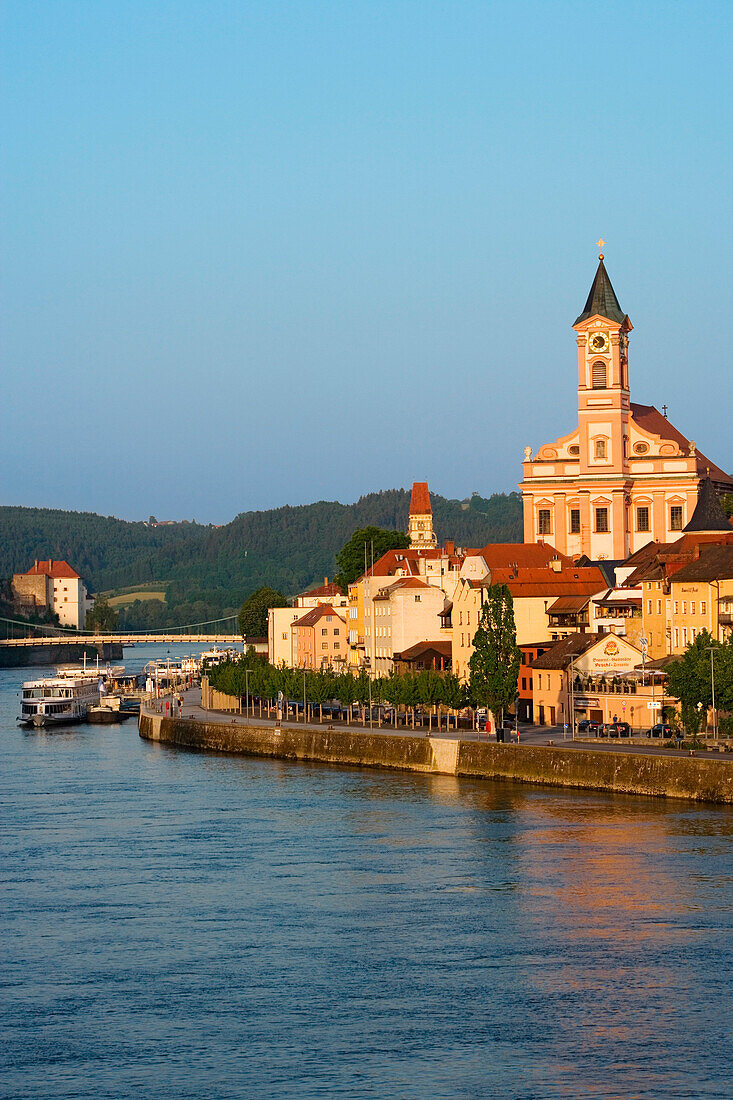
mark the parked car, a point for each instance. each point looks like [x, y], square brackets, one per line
[589, 727]
[621, 729]
[661, 730]
[607, 730]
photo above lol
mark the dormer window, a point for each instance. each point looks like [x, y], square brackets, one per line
[598, 376]
[600, 448]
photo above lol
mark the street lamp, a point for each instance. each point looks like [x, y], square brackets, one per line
[246, 688]
[712, 683]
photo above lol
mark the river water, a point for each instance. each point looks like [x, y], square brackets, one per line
[181, 925]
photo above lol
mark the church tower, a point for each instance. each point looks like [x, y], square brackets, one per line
[420, 522]
[625, 476]
[604, 412]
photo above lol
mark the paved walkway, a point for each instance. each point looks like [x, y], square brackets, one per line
[528, 735]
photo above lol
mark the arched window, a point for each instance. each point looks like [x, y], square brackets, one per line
[600, 448]
[598, 376]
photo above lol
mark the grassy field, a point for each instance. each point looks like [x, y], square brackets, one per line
[121, 599]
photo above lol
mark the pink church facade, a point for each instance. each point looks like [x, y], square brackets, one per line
[625, 476]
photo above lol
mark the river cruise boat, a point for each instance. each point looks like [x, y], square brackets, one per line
[59, 700]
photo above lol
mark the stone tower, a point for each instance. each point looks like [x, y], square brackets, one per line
[420, 523]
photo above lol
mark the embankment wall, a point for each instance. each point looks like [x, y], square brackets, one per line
[628, 773]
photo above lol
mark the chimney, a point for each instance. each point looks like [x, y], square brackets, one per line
[450, 547]
[556, 565]
[325, 582]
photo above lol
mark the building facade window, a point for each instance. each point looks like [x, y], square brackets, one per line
[675, 517]
[575, 521]
[544, 521]
[598, 376]
[600, 448]
[602, 521]
[642, 518]
[703, 607]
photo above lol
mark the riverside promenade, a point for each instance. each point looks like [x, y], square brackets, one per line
[653, 772]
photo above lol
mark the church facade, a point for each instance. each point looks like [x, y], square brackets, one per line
[625, 476]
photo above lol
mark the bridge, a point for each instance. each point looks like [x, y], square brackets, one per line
[124, 639]
[221, 631]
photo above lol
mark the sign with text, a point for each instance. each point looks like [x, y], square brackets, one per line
[608, 656]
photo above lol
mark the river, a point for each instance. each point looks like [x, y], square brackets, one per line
[178, 925]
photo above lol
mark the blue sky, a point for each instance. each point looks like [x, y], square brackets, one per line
[269, 253]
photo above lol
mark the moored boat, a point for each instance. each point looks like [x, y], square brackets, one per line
[59, 700]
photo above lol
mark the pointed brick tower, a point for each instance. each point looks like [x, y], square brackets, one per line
[420, 523]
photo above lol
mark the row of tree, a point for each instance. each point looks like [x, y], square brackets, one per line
[494, 668]
[428, 690]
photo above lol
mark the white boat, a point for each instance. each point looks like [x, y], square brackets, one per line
[59, 700]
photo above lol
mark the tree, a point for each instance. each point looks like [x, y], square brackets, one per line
[430, 691]
[350, 558]
[102, 617]
[689, 679]
[253, 612]
[494, 664]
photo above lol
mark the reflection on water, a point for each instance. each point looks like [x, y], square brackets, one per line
[177, 925]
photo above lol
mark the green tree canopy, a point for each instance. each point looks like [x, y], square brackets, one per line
[350, 559]
[253, 612]
[690, 679]
[102, 616]
[494, 664]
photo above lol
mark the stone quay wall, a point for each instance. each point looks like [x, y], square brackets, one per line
[690, 778]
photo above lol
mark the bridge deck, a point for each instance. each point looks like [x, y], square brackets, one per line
[125, 639]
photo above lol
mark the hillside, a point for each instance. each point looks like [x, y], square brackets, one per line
[208, 571]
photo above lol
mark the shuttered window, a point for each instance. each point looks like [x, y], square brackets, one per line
[598, 376]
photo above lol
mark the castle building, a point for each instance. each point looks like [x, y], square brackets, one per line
[420, 522]
[625, 476]
[53, 586]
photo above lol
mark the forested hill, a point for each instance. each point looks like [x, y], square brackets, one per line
[208, 571]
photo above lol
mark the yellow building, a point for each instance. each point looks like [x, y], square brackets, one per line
[537, 577]
[687, 585]
[598, 677]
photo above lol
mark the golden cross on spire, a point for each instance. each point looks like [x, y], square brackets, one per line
[600, 245]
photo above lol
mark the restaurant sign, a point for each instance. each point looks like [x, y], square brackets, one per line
[610, 654]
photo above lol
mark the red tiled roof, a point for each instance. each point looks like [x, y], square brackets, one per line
[420, 500]
[672, 556]
[401, 582]
[51, 568]
[649, 419]
[326, 589]
[524, 554]
[443, 648]
[407, 559]
[311, 617]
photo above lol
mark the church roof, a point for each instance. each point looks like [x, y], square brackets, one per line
[420, 499]
[602, 299]
[650, 420]
[708, 514]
